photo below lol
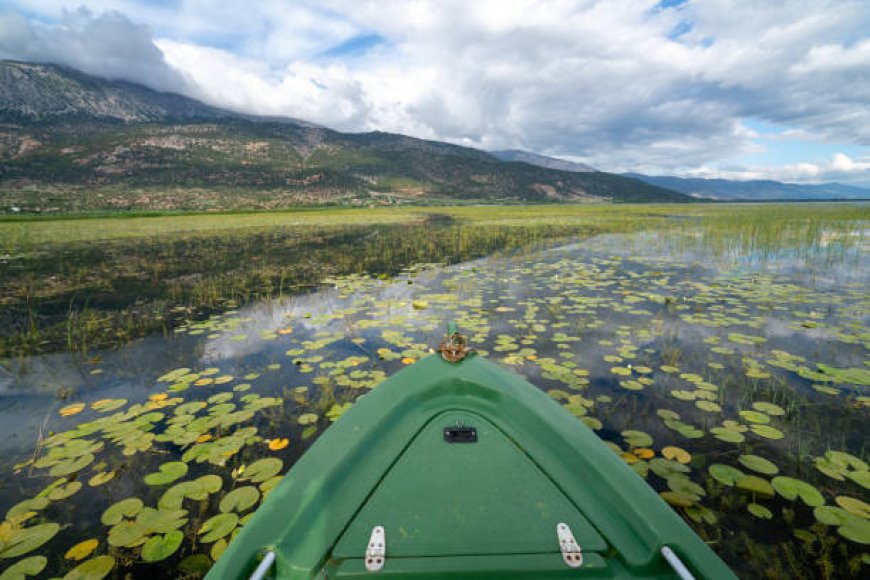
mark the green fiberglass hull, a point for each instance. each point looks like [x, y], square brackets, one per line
[453, 507]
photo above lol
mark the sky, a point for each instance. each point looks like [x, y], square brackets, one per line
[697, 88]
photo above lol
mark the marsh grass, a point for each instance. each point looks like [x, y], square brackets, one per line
[83, 283]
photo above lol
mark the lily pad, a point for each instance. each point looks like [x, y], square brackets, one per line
[71, 465]
[857, 530]
[725, 474]
[677, 499]
[637, 438]
[262, 469]
[64, 491]
[791, 488]
[853, 506]
[759, 511]
[708, 406]
[82, 550]
[101, 478]
[240, 499]
[676, 453]
[755, 485]
[767, 431]
[210, 483]
[758, 464]
[27, 505]
[755, 416]
[667, 468]
[94, 569]
[128, 508]
[168, 472]
[727, 435]
[161, 547]
[218, 527]
[682, 484]
[30, 566]
[768, 408]
[20, 541]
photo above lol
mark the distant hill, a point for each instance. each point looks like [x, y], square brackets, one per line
[542, 161]
[73, 142]
[729, 190]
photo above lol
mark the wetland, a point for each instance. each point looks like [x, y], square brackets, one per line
[159, 374]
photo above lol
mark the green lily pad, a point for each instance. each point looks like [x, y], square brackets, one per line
[64, 491]
[210, 483]
[850, 526]
[677, 499]
[755, 416]
[854, 506]
[767, 431]
[161, 521]
[168, 472]
[217, 527]
[758, 464]
[856, 530]
[307, 419]
[708, 406]
[71, 465]
[683, 395]
[173, 497]
[27, 505]
[759, 511]
[129, 508]
[20, 541]
[667, 468]
[755, 485]
[127, 534]
[725, 474]
[30, 566]
[262, 469]
[769, 408]
[791, 488]
[101, 478]
[685, 486]
[727, 435]
[93, 569]
[831, 516]
[862, 478]
[637, 438]
[240, 499]
[161, 547]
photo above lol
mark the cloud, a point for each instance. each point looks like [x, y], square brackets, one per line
[108, 45]
[840, 167]
[625, 85]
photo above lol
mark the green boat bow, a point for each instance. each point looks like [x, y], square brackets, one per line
[463, 470]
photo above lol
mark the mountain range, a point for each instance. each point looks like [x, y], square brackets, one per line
[74, 142]
[755, 190]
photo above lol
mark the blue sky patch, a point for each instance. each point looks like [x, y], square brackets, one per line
[356, 46]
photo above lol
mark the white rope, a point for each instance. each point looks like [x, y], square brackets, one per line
[677, 564]
[264, 566]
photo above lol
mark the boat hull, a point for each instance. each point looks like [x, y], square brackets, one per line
[486, 508]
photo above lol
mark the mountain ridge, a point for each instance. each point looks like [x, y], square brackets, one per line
[755, 189]
[73, 142]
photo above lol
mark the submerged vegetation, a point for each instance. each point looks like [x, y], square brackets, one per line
[721, 351]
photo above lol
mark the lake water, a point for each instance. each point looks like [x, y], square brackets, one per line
[732, 377]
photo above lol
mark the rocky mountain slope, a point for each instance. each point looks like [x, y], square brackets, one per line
[72, 142]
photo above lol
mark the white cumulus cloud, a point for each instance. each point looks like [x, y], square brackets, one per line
[625, 85]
